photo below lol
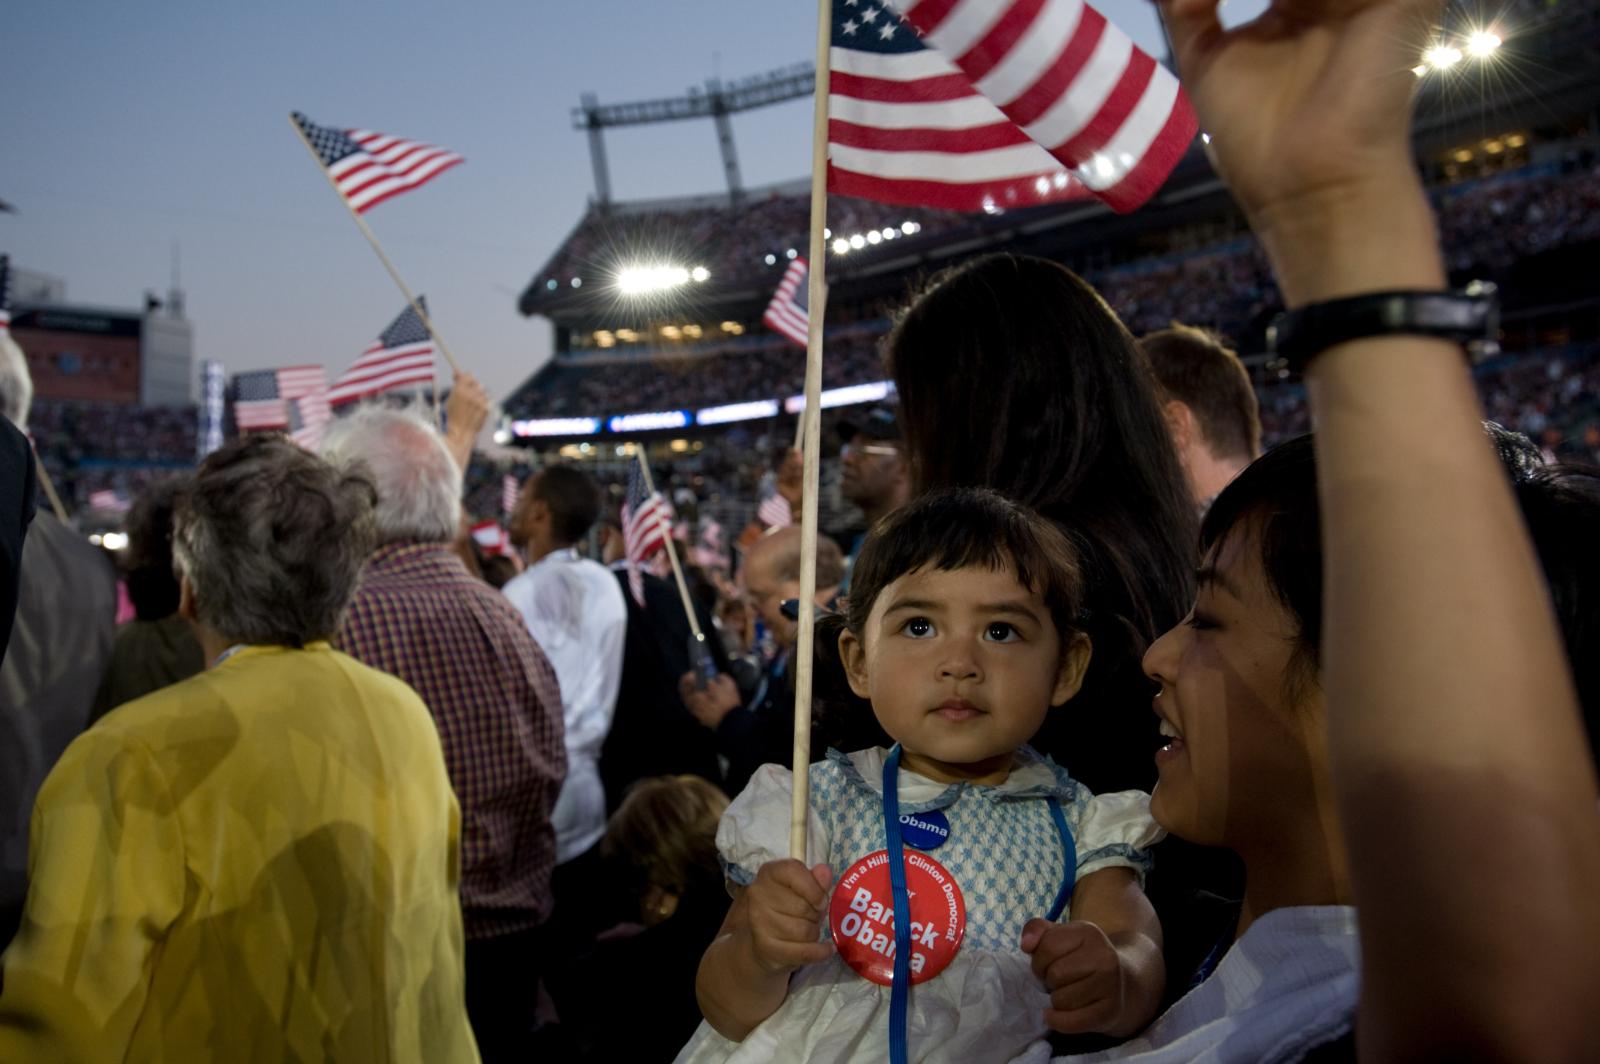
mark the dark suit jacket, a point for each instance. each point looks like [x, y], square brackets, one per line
[652, 731]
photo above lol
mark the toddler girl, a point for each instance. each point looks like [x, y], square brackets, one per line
[961, 633]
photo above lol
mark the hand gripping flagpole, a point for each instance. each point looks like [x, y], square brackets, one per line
[366, 231]
[672, 552]
[811, 419]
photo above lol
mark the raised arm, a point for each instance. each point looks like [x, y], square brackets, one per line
[1464, 782]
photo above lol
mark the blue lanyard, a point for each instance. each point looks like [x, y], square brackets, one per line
[900, 989]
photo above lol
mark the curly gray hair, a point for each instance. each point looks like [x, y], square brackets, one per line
[272, 540]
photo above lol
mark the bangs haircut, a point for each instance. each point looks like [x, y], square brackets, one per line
[961, 528]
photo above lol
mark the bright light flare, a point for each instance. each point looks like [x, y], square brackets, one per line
[639, 280]
[1482, 43]
[1442, 56]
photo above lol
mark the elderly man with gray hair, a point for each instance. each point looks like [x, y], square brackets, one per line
[419, 615]
[258, 862]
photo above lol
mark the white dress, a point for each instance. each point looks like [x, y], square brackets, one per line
[1005, 854]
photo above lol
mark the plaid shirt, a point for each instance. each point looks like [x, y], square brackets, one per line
[419, 615]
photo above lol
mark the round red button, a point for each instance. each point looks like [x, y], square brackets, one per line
[862, 917]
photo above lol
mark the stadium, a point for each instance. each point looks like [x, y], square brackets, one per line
[655, 306]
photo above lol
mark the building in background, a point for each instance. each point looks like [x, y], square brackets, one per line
[83, 353]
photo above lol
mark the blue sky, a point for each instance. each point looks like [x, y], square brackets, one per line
[129, 127]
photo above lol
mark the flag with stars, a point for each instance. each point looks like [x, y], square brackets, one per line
[788, 312]
[646, 523]
[996, 104]
[293, 399]
[371, 167]
[401, 355]
[5, 293]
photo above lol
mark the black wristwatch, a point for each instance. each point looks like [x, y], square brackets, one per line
[1470, 317]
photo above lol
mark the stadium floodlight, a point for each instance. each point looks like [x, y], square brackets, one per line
[858, 241]
[890, 232]
[1442, 56]
[577, 282]
[792, 253]
[638, 280]
[772, 260]
[1420, 70]
[908, 228]
[840, 245]
[699, 274]
[1482, 43]
[874, 237]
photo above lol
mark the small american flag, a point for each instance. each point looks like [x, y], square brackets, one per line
[109, 501]
[401, 355]
[5, 292]
[775, 512]
[646, 524]
[294, 399]
[788, 312]
[491, 536]
[994, 104]
[509, 490]
[371, 167]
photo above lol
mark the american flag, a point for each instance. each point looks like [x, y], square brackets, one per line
[109, 501]
[788, 312]
[999, 104]
[294, 399]
[371, 167]
[5, 292]
[401, 355]
[491, 536]
[509, 490]
[646, 523]
[775, 512]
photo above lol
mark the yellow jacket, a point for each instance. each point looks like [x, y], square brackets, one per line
[257, 864]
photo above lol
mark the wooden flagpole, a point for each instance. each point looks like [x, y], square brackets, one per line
[49, 488]
[366, 231]
[811, 419]
[672, 552]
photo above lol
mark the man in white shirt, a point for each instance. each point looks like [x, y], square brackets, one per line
[575, 611]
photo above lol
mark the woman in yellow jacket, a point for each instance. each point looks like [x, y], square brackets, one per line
[260, 862]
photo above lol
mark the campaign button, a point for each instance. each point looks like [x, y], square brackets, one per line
[925, 831]
[861, 917]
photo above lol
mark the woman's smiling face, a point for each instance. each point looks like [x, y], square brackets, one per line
[1240, 707]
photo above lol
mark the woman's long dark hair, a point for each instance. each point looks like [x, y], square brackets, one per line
[1013, 374]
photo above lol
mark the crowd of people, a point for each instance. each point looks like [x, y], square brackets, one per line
[1131, 740]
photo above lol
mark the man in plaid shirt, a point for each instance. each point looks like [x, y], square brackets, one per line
[419, 615]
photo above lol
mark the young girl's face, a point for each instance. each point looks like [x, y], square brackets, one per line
[961, 667]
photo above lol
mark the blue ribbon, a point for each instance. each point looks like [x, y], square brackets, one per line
[900, 989]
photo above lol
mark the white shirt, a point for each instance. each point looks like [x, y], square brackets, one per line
[575, 611]
[1288, 985]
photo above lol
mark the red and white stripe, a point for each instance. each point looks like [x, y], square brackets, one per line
[1012, 103]
[775, 512]
[783, 313]
[387, 167]
[645, 530]
[380, 369]
[308, 385]
[509, 490]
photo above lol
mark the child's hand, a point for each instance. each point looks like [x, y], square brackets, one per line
[786, 903]
[1083, 971]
